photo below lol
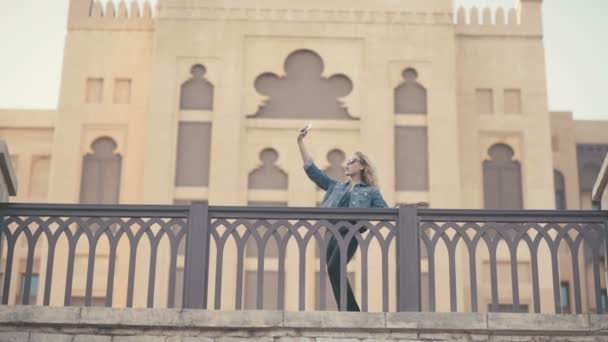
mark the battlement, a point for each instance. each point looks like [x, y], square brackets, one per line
[110, 15]
[525, 18]
[487, 16]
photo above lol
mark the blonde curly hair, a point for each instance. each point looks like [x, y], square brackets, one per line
[368, 175]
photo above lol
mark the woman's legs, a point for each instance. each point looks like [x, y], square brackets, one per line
[333, 270]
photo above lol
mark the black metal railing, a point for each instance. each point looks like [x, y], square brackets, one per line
[211, 246]
[50, 225]
[527, 230]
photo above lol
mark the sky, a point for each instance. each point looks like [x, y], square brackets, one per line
[32, 35]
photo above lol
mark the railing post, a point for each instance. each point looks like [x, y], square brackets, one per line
[8, 187]
[605, 259]
[599, 201]
[196, 268]
[408, 259]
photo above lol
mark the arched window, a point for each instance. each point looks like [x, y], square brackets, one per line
[303, 92]
[101, 172]
[560, 190]
[410, 96]
[197, 92]
[502, 179]
[268, 176]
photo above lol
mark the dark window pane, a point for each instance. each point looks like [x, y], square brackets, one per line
[268, 175]
[33, 289]
[502, 179]
[197, 92]
[411, 159]
[564, 293]
[410, 96]
[193, 154]
[560, 190]
[101, 173]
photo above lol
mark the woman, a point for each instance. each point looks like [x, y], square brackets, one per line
[359, 191]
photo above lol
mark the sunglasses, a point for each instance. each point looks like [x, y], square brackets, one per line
[352, 161]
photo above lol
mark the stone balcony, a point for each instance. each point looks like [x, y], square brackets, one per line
[50, 324]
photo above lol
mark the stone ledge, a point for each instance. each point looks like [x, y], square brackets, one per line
[436, 321]
[130, 317]
[334, 320]
[538, 322]
[599, 323]
[39, 314]
[232, 319]
[76, 318]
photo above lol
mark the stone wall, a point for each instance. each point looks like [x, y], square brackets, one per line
[49, 324]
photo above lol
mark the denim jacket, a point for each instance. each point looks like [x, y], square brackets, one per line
[362, 196]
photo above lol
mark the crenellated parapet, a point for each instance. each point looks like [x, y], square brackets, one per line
[113, 15]
[525, 19]
[487, 16]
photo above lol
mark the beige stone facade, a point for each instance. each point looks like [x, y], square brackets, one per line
[406, 81]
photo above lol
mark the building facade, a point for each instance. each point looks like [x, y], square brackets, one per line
[202, 100]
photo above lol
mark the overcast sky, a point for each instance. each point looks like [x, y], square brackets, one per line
[32, 33]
